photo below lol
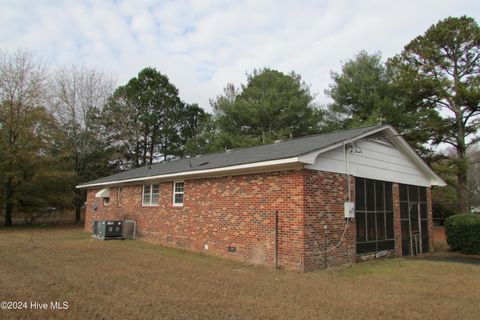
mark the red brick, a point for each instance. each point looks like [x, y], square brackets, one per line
[240, 211]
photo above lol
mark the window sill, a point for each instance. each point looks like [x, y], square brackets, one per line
[178, 205]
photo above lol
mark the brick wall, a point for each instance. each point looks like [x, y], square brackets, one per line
[234, 211]
[325, 194]
[397, 225]
[239, 211]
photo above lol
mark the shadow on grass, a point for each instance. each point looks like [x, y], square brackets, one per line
[453, 258]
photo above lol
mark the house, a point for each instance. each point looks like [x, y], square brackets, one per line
[282, 204]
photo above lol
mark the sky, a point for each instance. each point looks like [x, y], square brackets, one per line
[203, 45]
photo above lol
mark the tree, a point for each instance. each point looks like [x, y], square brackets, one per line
[272, 105]
[26, 132]
[21, 92]
[197, 131]
[441, 71]
[147, 121]
[474, 175]
[42, 176]
[78, 97]
[445, 199]
[363, 94]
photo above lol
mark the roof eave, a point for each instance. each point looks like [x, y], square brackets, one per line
[310, 157]
[434, 178]
[237, 169]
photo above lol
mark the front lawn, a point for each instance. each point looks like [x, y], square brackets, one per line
[140, 280]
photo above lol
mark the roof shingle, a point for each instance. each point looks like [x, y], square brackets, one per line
[276, 151]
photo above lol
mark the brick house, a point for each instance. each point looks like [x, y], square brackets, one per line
[282, 204]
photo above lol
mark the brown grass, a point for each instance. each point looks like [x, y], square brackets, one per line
[140, 280]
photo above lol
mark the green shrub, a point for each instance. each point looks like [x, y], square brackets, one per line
[463, 233]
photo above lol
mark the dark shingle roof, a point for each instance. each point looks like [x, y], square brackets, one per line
[276, 151]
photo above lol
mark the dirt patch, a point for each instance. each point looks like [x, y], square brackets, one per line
[139, 280]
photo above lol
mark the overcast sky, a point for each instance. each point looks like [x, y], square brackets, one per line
[203, 45]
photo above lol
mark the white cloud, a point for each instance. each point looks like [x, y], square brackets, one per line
[203, 45]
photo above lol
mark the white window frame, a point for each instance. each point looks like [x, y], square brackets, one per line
[150, 204]
[175, 193]
[106, 202]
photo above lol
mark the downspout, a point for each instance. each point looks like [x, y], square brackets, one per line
[347, 171]
[276, 239]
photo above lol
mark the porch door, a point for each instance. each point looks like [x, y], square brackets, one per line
[414, 220]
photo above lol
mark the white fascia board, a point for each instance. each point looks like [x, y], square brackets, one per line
[435, 179]
[193, 173]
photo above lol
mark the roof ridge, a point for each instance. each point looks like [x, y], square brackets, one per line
[329, 132]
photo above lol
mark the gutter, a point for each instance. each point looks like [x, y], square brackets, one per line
[263, 164]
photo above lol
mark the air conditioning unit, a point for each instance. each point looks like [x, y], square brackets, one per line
[129, 229]
[108, 229]
[95, 227]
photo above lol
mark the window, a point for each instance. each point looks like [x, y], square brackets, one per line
[178, 193]
[374, 215]
[119, 196]
[106, 201]
[150, 194]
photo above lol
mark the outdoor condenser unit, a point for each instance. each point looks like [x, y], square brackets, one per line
[107, 229]
[129, 229]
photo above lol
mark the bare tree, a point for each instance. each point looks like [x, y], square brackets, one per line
[78, 95]
[22, 93]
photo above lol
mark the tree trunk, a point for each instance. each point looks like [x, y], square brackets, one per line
[463, 199]
[9, 193]
[462, 166]
[78, 214]
[79, 201]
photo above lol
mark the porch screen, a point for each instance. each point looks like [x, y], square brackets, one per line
[374, 215]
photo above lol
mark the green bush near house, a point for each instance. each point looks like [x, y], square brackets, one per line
[463, 233]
